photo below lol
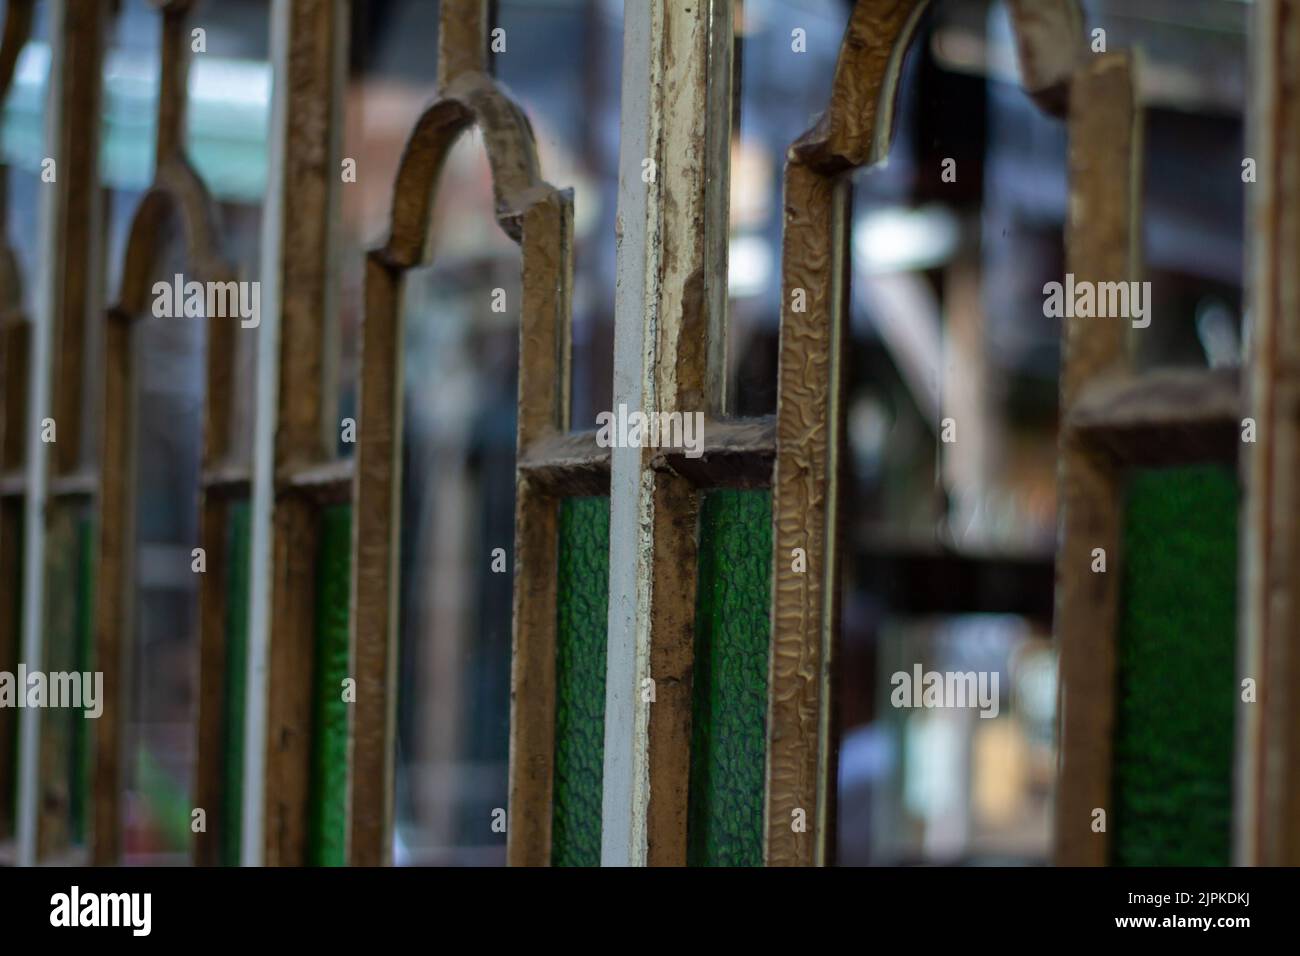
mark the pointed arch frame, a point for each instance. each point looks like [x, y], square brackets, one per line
[854, 132]
[539, 217]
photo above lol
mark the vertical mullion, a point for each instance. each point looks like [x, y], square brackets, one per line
[661, 364]
[1268, 778]
[39, 406]
[77, 268]
[722, 104]
[1102, 242]
[804, 605]
[855, 131]
[375, 528]
[544, 358]
[299, 251]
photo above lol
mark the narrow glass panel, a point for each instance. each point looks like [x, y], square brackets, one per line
[63, 736]
[582, 605]
[1175, 687]
[729, 740]
[329, 764]
[82, 757]
[232, 720]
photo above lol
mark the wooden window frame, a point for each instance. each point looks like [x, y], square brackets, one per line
[177, 194]
[539, 217]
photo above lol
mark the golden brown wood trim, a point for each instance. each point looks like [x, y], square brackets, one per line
[539, 217]
[855, 131]
[739, 453]
[323, 478]
[1165, 417]
[375, 529]
[214, 505]
[723, 109]
[209, 766]
[462, 39]
[532, 677]
[310, 190]
[113, 605]
[227, 480]
[173, 81]
[78, 207]
[672, 662]
[309, 183]
[857, 126]
[473, 99]
[1172, 397]
[290, 663]
[1102, 241]
[177, 191]
[1049, 44]
[803, 517]
[544, 352]
[1267, 805]
[547, 243]
[571, 464]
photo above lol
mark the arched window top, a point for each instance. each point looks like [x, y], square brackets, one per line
[857, 127]
[177, 190]
[472, 99]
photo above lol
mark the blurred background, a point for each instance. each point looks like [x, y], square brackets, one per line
[949, 546]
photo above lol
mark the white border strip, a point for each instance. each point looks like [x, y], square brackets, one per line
[39, 399]
[626, 789]
[252, 845]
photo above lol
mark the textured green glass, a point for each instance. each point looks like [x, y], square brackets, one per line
[232, 722]
[582, 605]
[329, 759]
[729, 718]
[1175, 685]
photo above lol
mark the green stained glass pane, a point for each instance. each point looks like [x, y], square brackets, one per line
[729, 719]
[582, 604]
[66, 632]
[236, 676]
[85, 636]
[330, 717]
[1175, 685]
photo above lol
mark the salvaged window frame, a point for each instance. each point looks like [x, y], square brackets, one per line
[540, 218]
[670, 325]
[853, 133]
[296, 471]
[56, 480]
[1267, 810]
[177, 191]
